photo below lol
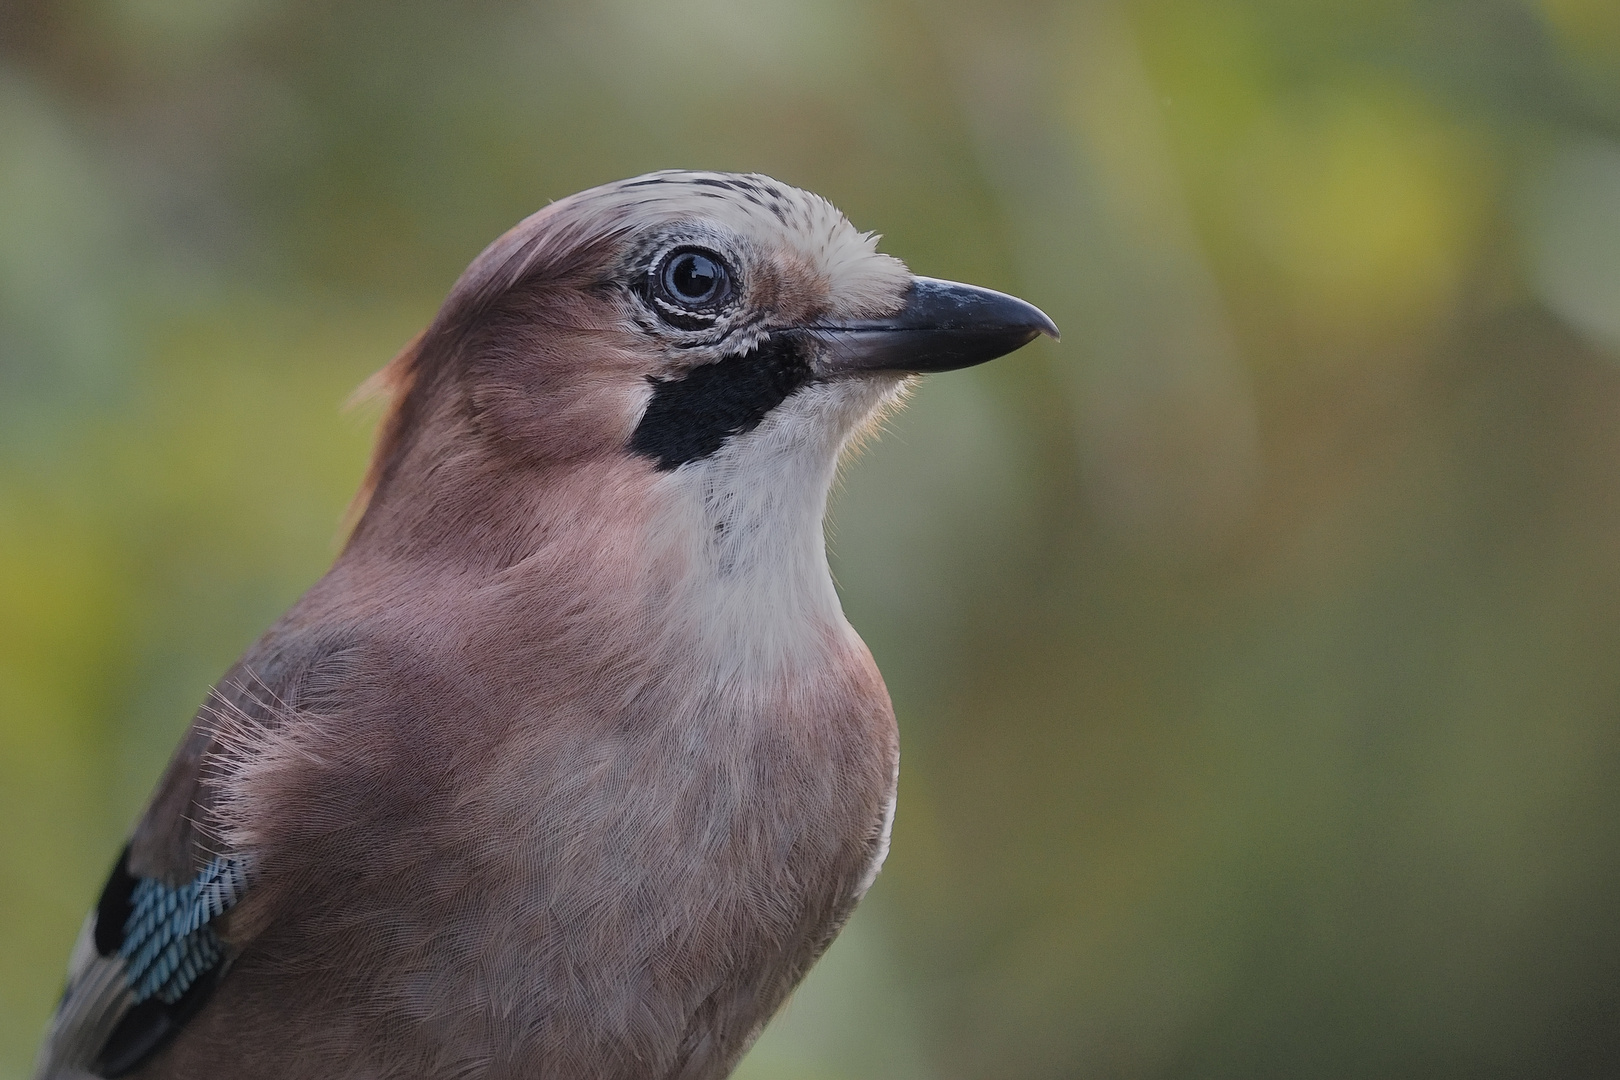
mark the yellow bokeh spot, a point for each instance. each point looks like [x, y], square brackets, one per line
[1366, 202]
[1587, 26]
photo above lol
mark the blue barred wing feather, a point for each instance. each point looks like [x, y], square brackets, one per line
[168, 942]
[147, 960]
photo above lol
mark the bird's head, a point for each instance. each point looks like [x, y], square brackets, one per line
[711, 325]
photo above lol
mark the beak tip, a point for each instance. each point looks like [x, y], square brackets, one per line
[1043, 324]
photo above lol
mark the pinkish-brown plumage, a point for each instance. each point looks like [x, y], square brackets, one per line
[570, 766]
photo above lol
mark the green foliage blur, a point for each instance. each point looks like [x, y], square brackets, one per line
[1256, 648]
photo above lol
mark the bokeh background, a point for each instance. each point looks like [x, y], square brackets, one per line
[1256, 649]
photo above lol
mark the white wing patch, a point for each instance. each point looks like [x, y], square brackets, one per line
[97, 997]
[884, 832]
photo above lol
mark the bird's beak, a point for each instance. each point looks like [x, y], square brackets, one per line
[943, 326]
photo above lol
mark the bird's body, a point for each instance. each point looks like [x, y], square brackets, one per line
[571, 765]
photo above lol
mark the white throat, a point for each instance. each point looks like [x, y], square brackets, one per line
[745, 527]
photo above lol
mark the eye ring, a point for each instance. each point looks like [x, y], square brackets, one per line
[692, 279]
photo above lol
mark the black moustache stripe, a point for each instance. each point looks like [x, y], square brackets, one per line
[690, 418]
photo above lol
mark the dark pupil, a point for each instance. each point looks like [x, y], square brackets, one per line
[693, 277]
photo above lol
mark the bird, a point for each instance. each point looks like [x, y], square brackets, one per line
[570, 766]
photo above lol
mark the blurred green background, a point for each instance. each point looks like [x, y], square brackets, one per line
[1256, 649]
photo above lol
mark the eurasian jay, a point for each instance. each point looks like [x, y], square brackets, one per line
[570, 767]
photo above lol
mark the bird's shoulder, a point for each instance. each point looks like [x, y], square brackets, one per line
[161, 935]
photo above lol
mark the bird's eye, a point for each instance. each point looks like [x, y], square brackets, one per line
[694, 278]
